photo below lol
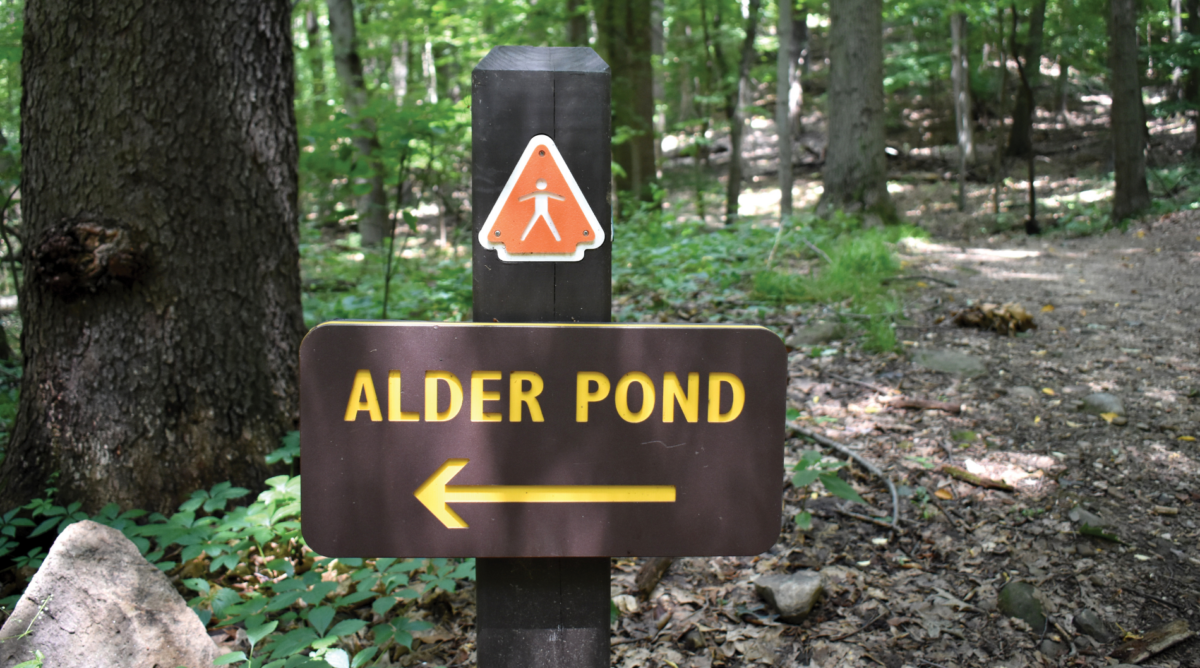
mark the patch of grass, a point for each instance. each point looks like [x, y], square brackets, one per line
[880, 336]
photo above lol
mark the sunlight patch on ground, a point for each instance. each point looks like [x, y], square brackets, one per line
[765, 202]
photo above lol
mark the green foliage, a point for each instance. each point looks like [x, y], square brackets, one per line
[249, 565]
[814, 467]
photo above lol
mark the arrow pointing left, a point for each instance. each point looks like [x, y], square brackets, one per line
[436, 495]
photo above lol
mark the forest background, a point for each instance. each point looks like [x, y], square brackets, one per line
[964, 103]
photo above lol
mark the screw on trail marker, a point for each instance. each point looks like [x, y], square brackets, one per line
[541, 215]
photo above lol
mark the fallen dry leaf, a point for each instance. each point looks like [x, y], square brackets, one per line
[1109, 417]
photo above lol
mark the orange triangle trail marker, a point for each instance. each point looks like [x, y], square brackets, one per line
[541, 215]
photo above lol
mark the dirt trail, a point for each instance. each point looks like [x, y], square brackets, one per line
[1116, 314]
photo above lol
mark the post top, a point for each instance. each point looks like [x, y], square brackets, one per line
[543, 59]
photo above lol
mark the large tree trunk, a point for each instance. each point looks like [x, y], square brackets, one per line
[736, 110]
[161, 301]
[372, 207]
[855, 164]
[1130, 195]
[623, 40]
[784, 68]
[1020, 139]
[959, 72]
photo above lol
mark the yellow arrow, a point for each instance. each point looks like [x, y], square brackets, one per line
[435, 494]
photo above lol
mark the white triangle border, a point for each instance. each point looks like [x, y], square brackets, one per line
[598, 236]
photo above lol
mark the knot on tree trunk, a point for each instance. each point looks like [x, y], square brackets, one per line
[79, 257]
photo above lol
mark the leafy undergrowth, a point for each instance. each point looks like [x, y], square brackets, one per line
[669, 271]
[248, 572]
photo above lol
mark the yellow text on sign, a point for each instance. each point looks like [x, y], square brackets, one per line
[445, 394]
[524, 389]
[593, 387]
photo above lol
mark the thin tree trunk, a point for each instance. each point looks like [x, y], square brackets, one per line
[1060, 89]
[1131, 196]
[315, 56]
[785, 67]
[372, 207]
[1031, 221]
[735, 109]
[577, 23]
[1020, 139]
[429, 71]
[959, 71]
[855, 164]
[399, 70]
[161, 300]
[1176, 31]
[999, 164]
[624, 41]
[799, 69]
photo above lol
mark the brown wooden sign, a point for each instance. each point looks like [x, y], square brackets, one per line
[496, 440]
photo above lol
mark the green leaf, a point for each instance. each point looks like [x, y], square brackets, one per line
[257, 633]
[318, 592]
[197, 584]
[319, 618]
[346, 627]
[296, 640]
[383, 604]
[804, 520]
[804, 478]
[45, 526]
[226, 659]
[840, 488]
[363, 657]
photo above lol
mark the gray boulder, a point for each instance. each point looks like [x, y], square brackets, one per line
[1089, 623]
[103, 606]
[792, 596]
[950, 361]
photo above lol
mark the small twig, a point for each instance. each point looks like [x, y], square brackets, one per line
[1156, 599]
[925, 404]
[921, 277]
[818, 251]
[978, 481]
[954, 519]
[871, 468]
[865, 518]
[861, 383]
[857, 630]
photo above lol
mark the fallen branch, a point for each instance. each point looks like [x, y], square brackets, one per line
[864, 518]
[871, 468]
[1158, 640]
[818, 251]
[650, 574]
[862, 383]
[934, 279]
[978, 481]
[924, 404]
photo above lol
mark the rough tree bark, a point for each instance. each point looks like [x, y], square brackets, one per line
[959, 73]
[785, 67]
[1020, 138]
[855, 172]
[1130, 196]
[372, 206]
[735, 109]
[623, 40]
[161, 301]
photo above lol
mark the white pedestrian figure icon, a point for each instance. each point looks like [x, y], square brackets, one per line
[541, 208]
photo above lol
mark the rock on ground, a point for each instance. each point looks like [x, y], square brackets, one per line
[1020, 600]
[103, 606]
[793, 596]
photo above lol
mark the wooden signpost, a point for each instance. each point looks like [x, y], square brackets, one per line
[531, 440]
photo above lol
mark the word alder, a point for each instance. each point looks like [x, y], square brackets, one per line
[525, 388]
